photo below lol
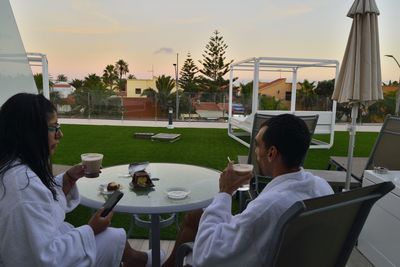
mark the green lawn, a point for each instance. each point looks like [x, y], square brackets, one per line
[203, 147]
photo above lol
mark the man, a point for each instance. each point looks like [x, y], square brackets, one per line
[243, 240]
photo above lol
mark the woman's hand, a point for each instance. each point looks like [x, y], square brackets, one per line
[75, 172]
[71, 176]
[98, 223]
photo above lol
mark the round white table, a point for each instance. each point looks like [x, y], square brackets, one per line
[203, 184]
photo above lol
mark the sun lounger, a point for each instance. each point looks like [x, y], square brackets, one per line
[340, 164]
[385, 152]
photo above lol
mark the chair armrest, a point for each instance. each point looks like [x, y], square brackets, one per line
[183, 250]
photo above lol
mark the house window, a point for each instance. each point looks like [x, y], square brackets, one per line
[288, 96]
[138, 91]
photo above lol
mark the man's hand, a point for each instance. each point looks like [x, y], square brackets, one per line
[230, 181]
[98, 223]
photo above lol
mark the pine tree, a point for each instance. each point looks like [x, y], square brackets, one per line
[188, 80]
[214, 66]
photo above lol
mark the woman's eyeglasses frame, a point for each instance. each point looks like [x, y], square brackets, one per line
[56, 129]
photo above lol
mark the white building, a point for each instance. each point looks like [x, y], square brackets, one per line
[63, 88]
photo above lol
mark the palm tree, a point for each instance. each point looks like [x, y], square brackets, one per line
[121, 67]
[162, 96]
[246, 92]
[271, 103]
[76, 83]
[55, 98]
[92, 81]
[93, 96]
[131, 77]
[110, 76]
[307, 94]
[62, 78]
[38, 77]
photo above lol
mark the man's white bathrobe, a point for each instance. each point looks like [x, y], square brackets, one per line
[242, 240]
[33, 231]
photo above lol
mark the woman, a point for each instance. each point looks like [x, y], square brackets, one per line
[33, 202]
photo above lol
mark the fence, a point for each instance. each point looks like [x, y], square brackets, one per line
[201, 106]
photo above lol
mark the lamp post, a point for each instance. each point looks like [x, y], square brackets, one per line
[176, 86]
[398, 90]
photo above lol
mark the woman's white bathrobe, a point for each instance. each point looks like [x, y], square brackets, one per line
[33, 231]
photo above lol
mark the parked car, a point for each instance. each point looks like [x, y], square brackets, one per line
[237, 108]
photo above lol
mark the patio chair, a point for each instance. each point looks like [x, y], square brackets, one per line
[340, 164]
[259, 119]
[385, 152]
[320, 231]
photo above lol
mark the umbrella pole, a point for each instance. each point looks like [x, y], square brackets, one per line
[352, 139]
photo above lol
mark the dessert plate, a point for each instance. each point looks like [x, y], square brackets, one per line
[177, 192]
[103, 189]
[106, 192]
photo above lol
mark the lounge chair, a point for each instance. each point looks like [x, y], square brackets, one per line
[385, 152]
[340, 164]
[320, 231]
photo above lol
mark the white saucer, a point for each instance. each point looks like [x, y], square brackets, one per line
[106, 192]
[177, 192]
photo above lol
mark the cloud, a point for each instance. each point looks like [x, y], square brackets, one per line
[281, 9]
[295, 11]
[88, 29]
[195, 20]
[91, 10]
[164, 50]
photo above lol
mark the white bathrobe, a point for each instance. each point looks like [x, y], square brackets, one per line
[33, 231]
[242, 240]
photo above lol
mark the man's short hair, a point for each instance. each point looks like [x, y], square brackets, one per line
[290, 135]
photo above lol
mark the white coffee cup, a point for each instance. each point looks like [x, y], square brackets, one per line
[92, 163]
[243, 169]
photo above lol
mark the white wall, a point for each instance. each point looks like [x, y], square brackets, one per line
[15, 73]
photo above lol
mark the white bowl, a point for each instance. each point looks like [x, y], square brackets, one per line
[177, 192]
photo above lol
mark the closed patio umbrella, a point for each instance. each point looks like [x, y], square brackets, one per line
[359, 80]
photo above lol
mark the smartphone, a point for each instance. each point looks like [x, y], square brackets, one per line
[111, 202]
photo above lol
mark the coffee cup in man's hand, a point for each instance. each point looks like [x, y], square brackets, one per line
[243, 169]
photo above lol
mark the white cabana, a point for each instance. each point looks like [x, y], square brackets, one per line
[326, 120]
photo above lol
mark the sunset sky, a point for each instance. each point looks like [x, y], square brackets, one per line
[83, 36]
